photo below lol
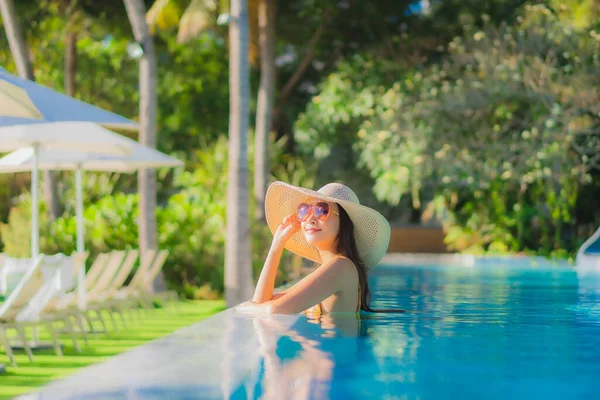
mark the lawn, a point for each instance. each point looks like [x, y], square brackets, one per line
[48, 367]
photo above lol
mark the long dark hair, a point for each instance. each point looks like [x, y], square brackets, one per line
[347, 247]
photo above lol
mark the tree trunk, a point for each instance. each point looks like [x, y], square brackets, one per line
[136, 12]
[264, 110]
[50, 192]
[238, 267]
[20, 53]
[16, 40]
[71, 63]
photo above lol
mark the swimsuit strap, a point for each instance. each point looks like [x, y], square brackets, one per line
[317, 309]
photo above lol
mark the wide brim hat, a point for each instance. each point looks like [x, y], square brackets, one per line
[371, 229]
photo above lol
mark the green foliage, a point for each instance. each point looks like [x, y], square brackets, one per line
[346, 97]
[95, 186]
[289, 168]
[193, 92]
[110, 224]
[7, 191]
[192, 225]
[16, 234]
[580, 14]
[501, 135]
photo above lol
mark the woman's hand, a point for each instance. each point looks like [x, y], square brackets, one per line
[289, 226]
[251, 307]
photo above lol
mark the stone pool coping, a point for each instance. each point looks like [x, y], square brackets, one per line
[208, 358]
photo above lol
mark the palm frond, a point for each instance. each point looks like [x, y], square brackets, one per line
[163, 14]
[197, 18]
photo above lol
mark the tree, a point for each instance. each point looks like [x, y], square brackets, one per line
[264, 109]
[136, 12]
[202, 15]
[20, 52]
[16, 40]
[238, 269]
[199, 17]
[497, 141]
[74, 26]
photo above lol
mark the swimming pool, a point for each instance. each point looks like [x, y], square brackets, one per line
[492, 328]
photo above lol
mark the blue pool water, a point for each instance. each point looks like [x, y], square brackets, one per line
[494, 330]
[500, 331]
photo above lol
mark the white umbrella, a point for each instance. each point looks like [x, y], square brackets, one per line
[36, 116]
[59, 160]
[76, 136]
[25, 102]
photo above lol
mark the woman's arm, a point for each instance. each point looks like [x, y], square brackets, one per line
[284, 291]
[266, 281]
[316, 287]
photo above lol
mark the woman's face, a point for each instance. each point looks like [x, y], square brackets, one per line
[319, 232]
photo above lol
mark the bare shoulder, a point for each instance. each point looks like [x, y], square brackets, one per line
[342, 266]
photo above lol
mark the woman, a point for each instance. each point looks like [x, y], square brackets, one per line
[330, 227]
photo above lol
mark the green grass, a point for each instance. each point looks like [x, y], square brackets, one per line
[47, 366]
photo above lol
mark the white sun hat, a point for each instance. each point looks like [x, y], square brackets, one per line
[371, 229]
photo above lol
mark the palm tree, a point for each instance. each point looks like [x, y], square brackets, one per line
[136, 12]
[74, 18]
[16, 40]
[238, 268]
[202, 15]
[20, 53]
[198, 17]
[264, 109]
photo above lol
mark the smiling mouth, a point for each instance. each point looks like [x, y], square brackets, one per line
[312, 231]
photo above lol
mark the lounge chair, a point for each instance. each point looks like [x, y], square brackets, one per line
[139, 291]
[30, 284]
[125, 295]
[24, 306]
[90, 279]
[148, 291]
[66, 281]
[11, 271]
[99, 300]
[97, 279]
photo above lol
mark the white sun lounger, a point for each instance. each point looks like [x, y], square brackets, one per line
[23, 307]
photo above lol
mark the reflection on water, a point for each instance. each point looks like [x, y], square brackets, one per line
[507, 331]
[297, 362]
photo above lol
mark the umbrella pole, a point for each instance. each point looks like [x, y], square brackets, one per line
[80, 236]
[35, 215]
[35, 207]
